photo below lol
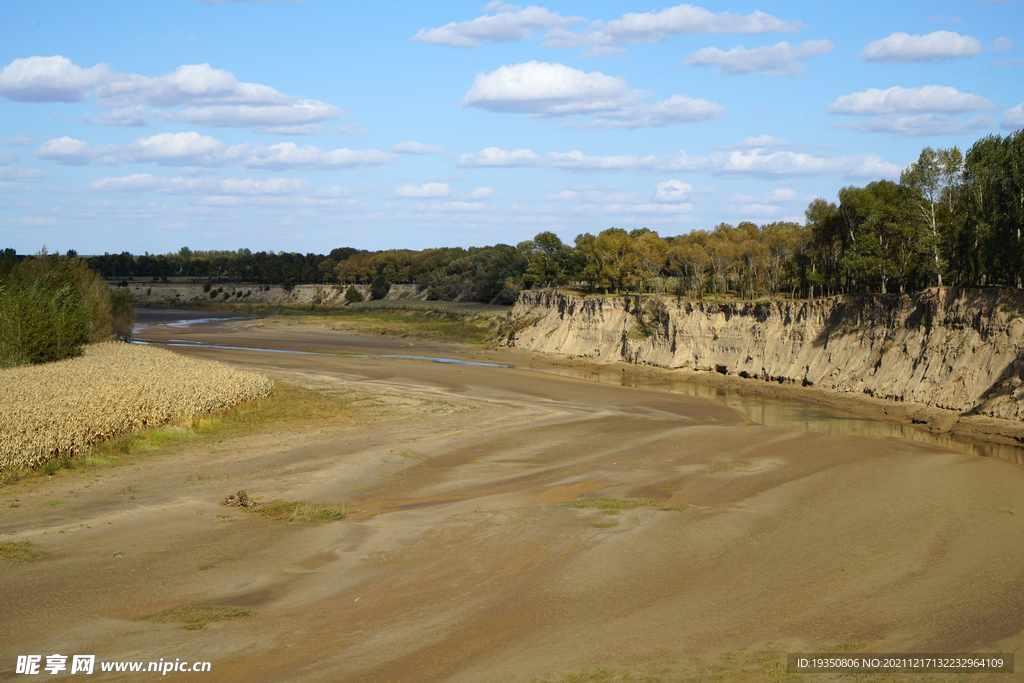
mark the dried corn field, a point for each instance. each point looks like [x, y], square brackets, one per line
[63, 408]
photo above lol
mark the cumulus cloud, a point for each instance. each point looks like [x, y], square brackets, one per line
[922, 125]
[899, 100]
[411, 147]
[672, 191]
[932, 47]
[781, 59]
[191, 149]
[756, 163]
[507, 25]
[599, 38]
[50, 79]
[545, 90]
[420, 191]
[913, 112]
[193, 93]
[1014, 118]
[481, 192]
[655, 26]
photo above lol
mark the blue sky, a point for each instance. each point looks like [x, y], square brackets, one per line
[305, 126]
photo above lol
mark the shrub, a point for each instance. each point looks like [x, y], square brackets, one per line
[51, 305]
[379, 287]
[352, 295]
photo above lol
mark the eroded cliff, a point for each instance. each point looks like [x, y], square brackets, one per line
[948, 349]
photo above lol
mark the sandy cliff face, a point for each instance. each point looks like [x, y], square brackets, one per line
[952, 349]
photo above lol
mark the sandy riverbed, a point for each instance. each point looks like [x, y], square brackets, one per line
[457, 562]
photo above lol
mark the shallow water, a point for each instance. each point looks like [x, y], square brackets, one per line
[793, 414]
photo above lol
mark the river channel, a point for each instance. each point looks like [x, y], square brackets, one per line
[774, 412]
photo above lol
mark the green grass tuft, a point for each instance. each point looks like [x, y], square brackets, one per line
[16, 552]
[610, 506]
[299, 511]
[196, 617]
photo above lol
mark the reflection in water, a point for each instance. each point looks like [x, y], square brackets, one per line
[792, 414]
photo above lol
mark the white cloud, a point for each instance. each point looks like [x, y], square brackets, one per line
[545, 90]
[507, 25]
[420, 191]
[50, 79]
[781, 59]
[499, 6]
[899, 100]
[491, 157]
[481, 193]
[191, 149]
[411, 147]
[1001, 45]
[655, 26]
[1007, 63]
[672, 191]
[18, 141]
[290, 155]
[293, 118]
[25, 174]
[936, 46]
[922, 125]
[751, 163]
[141, 182]
[211, 97]
[1014, 118]
[760, 141]
[353, 129]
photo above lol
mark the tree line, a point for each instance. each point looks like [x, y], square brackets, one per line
[953, 218]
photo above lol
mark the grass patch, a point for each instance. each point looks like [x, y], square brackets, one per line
[16, 552]
[677, 508]
[196, 617]
[610, 506]
[412, 455]
[603, 525]
[299, 511]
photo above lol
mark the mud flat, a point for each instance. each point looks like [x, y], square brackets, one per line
[459, 560]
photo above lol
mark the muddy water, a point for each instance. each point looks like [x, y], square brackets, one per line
[789, 414]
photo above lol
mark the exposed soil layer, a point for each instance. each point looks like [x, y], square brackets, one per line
[457, 561]
[948, 359]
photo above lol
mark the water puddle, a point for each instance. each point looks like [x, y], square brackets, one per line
[797, 415]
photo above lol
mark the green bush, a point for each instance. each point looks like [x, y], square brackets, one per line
[352, 295]
[379, 287]
[50, 306]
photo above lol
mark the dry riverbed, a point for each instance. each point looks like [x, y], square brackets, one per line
[460, 558]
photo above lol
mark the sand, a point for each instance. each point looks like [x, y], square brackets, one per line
[459, 563]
